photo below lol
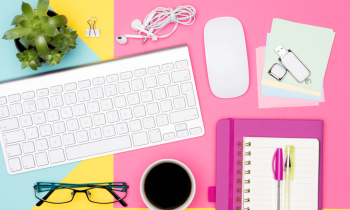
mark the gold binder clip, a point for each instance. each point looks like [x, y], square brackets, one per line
[92, 32]
[239, 199]
[244, 144]
[245, 153]
[241, 162]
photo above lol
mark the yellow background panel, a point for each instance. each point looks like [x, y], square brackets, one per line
[79, 12]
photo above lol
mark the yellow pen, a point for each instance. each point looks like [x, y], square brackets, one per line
[289, 166]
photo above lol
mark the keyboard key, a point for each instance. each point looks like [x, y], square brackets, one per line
[137, 84]
[41, 144]
[122, 128]
[70, 86]
[56, 89]
[93, 107]
[153, 69]
[28, 147]
[26, 120]
[4, 112]
[168, 66]
[140, 138]
[173, 90]
[83, 95]
[152, 108]
[43, 103]
[181, 64]
[84, 84]
[16, 109]
[56, 101]
[133, 99]
[98, 147]
[39, 118]
[9, 124]
[42, 92]
[97, 92]
[3, 100]
[181, 134]
[112, 116]
[106, 104]
[13, 150]
[99, 119]
[15, 164]
[55, 141]
[148, 122]
[95, 133]
[32, 133]
[169, 136]
[59, 127]
[186, 89]
[13, 137]
[98, 81]
[29, 106]
[154, 135]
[124, 87]
[45, 130]
[68, 139]
[151, 82]
[181, 127]
[79, 110]
[85, 122]
[164, 79]
[135, 125]
[162, 120]
[52, 115]
[66, 112]
[179, 103]
[110, 90]
[112, 78]
[108, 131]
[41, 159]
[82, 136]
[126, 75]
[146, 96]
[140, 72]
[119, 101]
[28, 161]
[70, 98]
[195, 131]
[126, 114]
[72, 125]
[159, 93]
[184, 115]
[56, 156]
[14, 98]
[139, 111]
[28, 95]
[166, 106]
[180, 76]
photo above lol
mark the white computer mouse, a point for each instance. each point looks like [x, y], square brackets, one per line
[226, 55]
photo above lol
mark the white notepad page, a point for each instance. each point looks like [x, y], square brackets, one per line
[263, 190]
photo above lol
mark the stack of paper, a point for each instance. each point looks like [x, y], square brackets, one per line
[312, 45]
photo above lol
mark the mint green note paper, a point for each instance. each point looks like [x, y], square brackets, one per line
[311, 44]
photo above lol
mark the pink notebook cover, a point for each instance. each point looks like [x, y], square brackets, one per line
[231, 131]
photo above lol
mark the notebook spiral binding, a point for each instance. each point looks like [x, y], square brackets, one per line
[240, 190]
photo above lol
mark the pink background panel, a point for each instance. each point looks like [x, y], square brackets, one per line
[256, 17]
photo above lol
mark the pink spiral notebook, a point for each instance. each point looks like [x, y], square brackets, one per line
[230, 132]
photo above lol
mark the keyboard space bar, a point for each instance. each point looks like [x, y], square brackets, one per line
[98, 147]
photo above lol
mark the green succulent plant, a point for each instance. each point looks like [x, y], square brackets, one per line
[29, 58]
[48, 36]
[54, 58]
[65, 40]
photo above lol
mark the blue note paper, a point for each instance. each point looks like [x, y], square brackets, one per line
[276, 92]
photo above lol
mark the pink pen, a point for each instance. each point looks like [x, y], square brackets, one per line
[277, 168]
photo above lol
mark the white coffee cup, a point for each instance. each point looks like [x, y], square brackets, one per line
[145, 174]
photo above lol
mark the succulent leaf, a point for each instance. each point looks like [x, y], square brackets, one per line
[24, 64]
[27, 11]
[25, 23]
[72, 34]
[44, 20]
[41, 46]
[15, 33]
[42, 7]
[33, 65]
[17, 19]
[58, 21]
[31, 36]
[50, 30]
[19, 55]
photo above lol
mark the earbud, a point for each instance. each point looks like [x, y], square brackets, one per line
[123, 39]
[136, 25]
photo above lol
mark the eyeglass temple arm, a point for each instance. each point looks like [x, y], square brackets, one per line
[122, 202]
[44, 198]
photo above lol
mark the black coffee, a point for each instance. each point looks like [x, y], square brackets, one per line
[167, 186]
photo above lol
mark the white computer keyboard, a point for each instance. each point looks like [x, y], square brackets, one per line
[100, 109]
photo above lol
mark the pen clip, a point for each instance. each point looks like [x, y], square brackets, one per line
[277, 164]
[273, 161]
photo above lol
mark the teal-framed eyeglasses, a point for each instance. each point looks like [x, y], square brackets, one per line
[102, 193]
